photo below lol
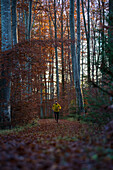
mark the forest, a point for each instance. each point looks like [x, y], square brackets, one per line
[56, 50]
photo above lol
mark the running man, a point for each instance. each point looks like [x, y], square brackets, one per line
[56, 107]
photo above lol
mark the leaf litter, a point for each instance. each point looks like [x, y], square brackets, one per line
[68, 145]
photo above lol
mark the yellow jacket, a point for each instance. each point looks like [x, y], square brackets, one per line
[56, 107]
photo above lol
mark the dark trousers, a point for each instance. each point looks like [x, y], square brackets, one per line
[56, 116]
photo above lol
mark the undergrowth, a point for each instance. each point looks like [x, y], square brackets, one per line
[19, 128]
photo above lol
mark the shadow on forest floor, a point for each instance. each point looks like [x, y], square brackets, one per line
[67, 145]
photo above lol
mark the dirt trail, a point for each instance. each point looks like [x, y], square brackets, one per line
[63, 146]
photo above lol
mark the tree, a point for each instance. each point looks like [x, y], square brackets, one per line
[17, 95]
[75, 59]
[62, 48]
[78, 34]
[29, 20]
[56, 53]
[51, 57]
[87, 31]
[14, 22]
[5, 81]
[28, 15]
[111, 34]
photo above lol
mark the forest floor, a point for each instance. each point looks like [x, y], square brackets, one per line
[67, 145]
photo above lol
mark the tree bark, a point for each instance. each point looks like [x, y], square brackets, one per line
[111, 34]
[103, 43]
[14, 22]
[51, 57]
[62, 48]
[87, 31]
[29, 20]
[69, 60]
[28, 36]
[5, 82]
[78, 34]
[75, 59]
[56, 53]
[17, 94]
[88, 42]
[41, 99]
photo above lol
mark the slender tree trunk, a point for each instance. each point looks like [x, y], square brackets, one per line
[5, 82]
[0, 27]
[78, 34]
[82, 61]
[28, 16]
[87, 37]
[29, 20]
[110, 40]
[88, 41]
[34, 14]
[14, 22]
[45, 94]
[111, 35]
[72, 32]
[52, 76]
[75, 59]
[17, 95]
[69, 60]
[103, 42]
[56, 53]
[93, 57]
[99, 47]
[28, 36]
[41, 100]
[52, 58]
[26, 24]
[93, 48]
[62, 48]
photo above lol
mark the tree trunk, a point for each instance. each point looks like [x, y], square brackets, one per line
[87, 37]
[41, 99]
[45, 95]
[82, 60]
[99, 46]
[52, 64]
[93, 49]
[111, 35]
[17, 95]
[69, 60]
[62, 49]
[0, 27]
[75, 59]
[28, 36]
[78, 34]
[29, 20]
[103, 44]
[88, 42]
[14, 22]
[5, 82]
[56, 53]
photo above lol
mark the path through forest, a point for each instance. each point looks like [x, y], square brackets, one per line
[68, 145]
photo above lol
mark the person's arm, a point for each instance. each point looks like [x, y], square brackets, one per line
[59, 107]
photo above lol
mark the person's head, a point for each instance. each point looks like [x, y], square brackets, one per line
[55, 101]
